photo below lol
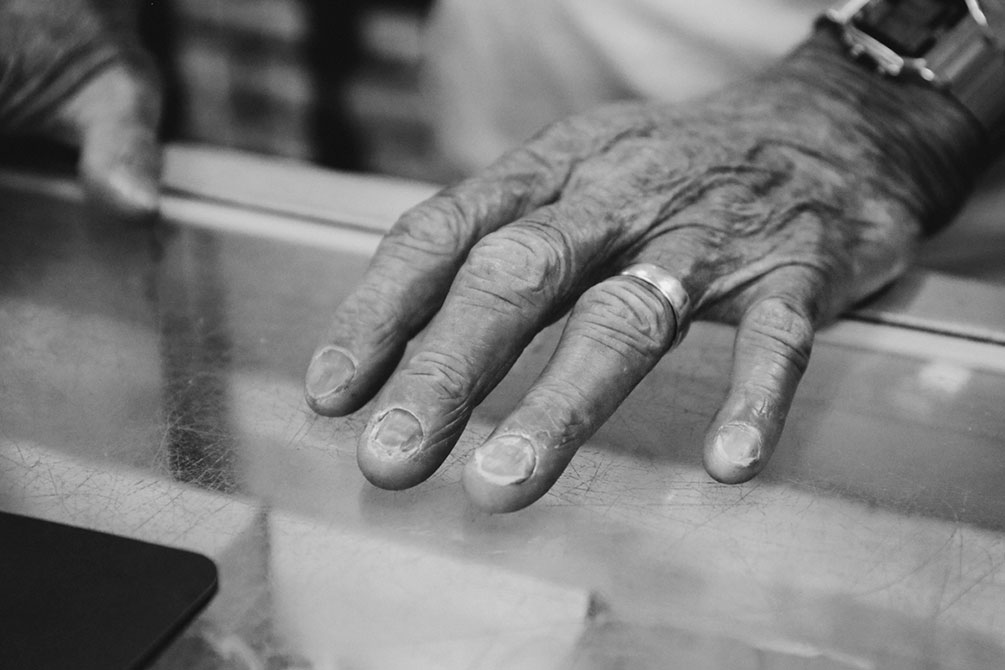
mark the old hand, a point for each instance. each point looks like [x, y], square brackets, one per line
[776, 204]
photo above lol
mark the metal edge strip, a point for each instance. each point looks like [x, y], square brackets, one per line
[277, 199]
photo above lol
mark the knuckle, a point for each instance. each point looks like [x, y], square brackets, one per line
[445, 373]
[761, 399]
[369, 313]
[526, 264]
[786, 329]
[435, 227]
[561, 411]
[626, 317]
[527, 159]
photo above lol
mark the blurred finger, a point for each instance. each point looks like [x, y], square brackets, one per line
[770, 354]
[115, 117]
[411, 273]
[514, 282]
[617, 332]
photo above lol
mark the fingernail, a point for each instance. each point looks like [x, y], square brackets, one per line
[506, 460]
[329, 373]
[738, 444]
[398, 433]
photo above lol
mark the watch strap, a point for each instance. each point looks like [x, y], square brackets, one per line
[954, 45]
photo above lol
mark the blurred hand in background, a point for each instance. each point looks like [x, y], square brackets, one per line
[74, 71]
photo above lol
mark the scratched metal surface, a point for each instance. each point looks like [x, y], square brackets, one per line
[151, 386]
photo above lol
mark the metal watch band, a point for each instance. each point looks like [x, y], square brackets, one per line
[955, 45]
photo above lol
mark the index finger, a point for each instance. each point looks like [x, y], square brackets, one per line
[411, 273]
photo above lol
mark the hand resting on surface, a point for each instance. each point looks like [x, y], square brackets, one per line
[777, 203]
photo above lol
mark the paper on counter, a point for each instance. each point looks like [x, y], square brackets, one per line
[346, 599]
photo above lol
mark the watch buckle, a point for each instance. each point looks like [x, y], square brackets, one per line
[888, 61]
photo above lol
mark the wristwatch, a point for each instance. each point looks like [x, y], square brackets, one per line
[953, 45]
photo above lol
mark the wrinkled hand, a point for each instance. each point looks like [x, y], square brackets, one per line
[777, 204]
[72, 70]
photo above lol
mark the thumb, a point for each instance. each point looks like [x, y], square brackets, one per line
[115, 117]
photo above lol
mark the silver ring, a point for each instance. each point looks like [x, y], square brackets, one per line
[670, 288]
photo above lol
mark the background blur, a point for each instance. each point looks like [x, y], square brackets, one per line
[335, 82]
[401, 87]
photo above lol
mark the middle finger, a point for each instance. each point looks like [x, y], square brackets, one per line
[514, 282]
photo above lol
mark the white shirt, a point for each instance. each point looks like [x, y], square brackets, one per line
[498, 70]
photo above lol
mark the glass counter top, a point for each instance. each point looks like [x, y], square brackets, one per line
[151, 386]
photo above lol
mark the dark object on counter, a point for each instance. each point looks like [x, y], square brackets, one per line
[78, 598]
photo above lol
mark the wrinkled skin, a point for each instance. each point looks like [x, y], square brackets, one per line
[777, 203]
[72, 70]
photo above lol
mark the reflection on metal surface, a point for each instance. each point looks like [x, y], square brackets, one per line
[944, 378]
[936, 303]
[156, 392]
[195, 356]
